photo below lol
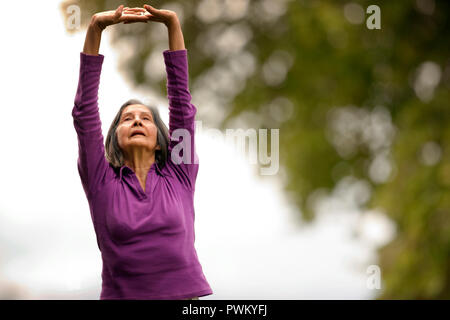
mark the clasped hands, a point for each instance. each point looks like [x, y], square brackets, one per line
[131, 15]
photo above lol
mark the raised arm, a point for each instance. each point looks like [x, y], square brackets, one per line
[181, 111]
[92, 163]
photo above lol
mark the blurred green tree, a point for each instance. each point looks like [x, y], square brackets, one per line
[349, 101]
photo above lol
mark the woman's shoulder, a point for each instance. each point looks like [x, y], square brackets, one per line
[181, 173]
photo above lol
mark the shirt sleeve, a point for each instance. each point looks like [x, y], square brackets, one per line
[92, 163]
[181, 116]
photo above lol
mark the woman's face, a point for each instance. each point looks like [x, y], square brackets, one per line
[136, 129]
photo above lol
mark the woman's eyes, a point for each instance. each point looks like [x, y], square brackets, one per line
[128, 118]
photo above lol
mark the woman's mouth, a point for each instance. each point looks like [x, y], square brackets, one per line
[137, 133]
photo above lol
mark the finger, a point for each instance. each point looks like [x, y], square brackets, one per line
[119, 9]
[133, 18]
[150, 9]
[138, 14]
[139, 19]
[135, 12]
[136, 9]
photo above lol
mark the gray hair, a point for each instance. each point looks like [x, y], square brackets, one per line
[113, 152]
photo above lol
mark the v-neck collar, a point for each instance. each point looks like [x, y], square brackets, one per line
[150, 182]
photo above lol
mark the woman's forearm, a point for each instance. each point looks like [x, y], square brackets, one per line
[176, 40]
[93, 38]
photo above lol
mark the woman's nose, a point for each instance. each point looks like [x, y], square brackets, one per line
[137, 121]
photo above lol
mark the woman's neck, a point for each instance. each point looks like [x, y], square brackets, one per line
[140, 161]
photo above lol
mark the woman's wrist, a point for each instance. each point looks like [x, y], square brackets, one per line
[94, 25]
[173, 22]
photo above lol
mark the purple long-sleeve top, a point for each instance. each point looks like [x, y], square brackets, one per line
[146, 238]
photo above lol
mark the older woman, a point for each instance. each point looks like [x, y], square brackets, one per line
[141, 201]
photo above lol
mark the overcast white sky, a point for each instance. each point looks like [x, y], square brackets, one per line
[246, 240]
